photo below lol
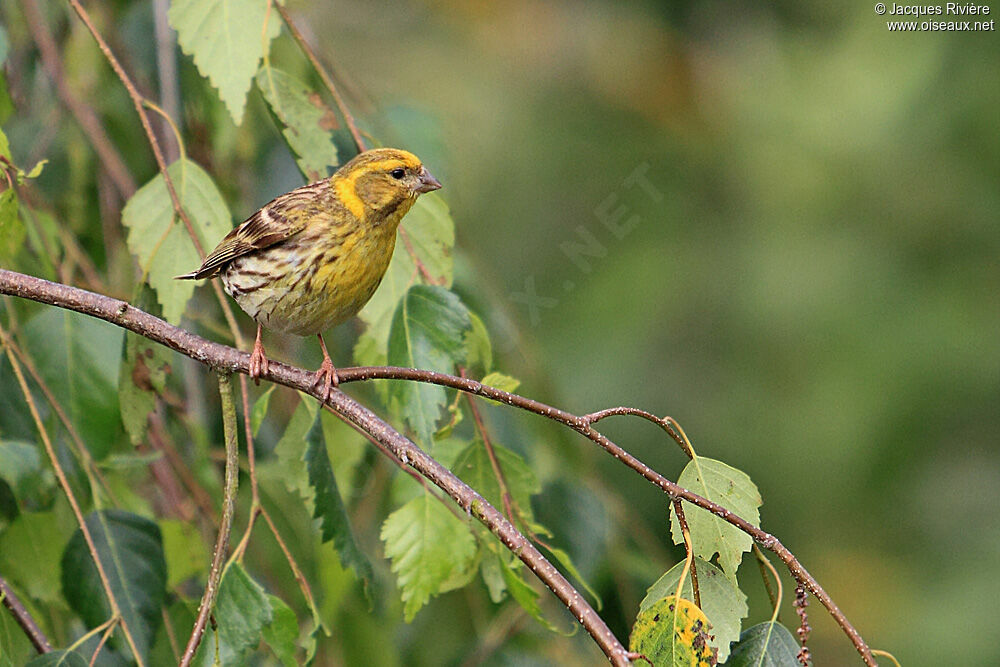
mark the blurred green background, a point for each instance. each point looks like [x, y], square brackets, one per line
[804, 274]
[815, 297]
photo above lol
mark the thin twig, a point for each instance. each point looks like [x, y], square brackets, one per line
[85, 116]
[228, 509]
[327, 81]
[68, 491]
[23, 618]
[662, 422]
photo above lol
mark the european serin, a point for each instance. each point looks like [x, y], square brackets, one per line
[311, 258]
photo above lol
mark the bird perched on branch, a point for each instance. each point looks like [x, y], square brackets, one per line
[313, 257]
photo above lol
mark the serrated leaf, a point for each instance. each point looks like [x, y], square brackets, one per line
[224, 39]
[259, 410]
[143, 376]
[185, 553]
[672, 632]
[428, 546]
[502, 382]
[281, 633]
[30, 549]
[290, 449]
[160, 242]
[329, 506]
[525, 595]
[12, 230]
[242, 611]
[430, 233]
[60, 658]
[723, 603]
[730, 488]
[131, 553]
[474, 467]
[428, 332]
[765, 645]
[79, 358]
[307, 119]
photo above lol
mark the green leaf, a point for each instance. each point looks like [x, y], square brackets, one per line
[428, 332]
[723, 603]
[79, 358]
[567, 562]
[36, 171]
[160, 242]
[765, 645]
[345, 446]
[15, 649]
[308, 120]
[12, 230]
[329, 506]
[242, 611]
[259, 410]
[672, 632]
[474, 467]
[60, 658]
[525, 595]
[21, 467]
[502, 382]
[281, 633]
[730, 488]
[477, 343]
[5, 144]
[185, 553]
[428, 546]
[30, 549]
[290, 450]
[430, 232]
[131, 552]
[224, 38]
[143, 376]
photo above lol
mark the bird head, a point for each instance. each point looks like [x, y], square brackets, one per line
[384, 182]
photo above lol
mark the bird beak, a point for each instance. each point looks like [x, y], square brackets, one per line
[427, 182]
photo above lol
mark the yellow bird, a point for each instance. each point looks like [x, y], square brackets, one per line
[313, 257]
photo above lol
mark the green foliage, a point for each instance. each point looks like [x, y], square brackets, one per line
[308, 121]
[183, 551]
[730, 488]
[11, 228]
[130, 550]
[259, 410]
[21, 468]
[765, 645]
[58, 659]
[329, 506]
[143, 376]
[30, 549]
[159, 240]
[242, 611]
[722, 602]
[226, 39]
[78, 357]
[474, 467]
[428, 331]
[672, 632]
[15, 649]
[430, 549]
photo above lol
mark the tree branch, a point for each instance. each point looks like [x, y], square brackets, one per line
[23, 618]
[226, 359]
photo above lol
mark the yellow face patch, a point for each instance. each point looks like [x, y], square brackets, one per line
[346, 184]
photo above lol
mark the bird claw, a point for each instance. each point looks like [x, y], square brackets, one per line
[258, 363]
[326, 374]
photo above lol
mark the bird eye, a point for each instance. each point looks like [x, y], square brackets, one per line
[397, 173]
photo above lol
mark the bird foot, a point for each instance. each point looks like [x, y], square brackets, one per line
[327, 375]
[258, 362]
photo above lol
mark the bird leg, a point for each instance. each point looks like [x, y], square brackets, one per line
[326, 374]
[258, 362]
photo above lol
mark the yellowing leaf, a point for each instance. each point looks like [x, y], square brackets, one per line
[672, 633]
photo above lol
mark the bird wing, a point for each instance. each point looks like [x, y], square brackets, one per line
[272, 224]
